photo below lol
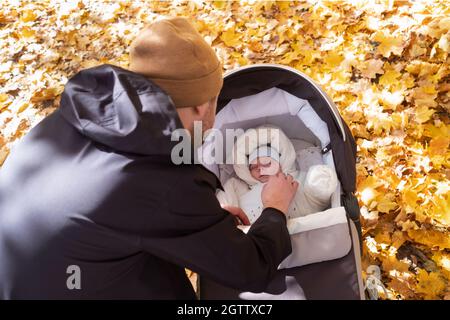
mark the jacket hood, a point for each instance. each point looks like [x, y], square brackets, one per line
[120, 109]
[251, 140]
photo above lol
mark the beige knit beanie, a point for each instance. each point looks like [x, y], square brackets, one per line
[172, 53]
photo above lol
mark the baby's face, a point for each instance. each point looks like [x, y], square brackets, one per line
[263, 167]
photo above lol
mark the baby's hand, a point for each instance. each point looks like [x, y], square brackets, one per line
[238, 213]
[279, 191]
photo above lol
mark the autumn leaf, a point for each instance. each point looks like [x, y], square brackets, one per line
[386, 206]
[439, 145]
[423, 114]
[389, 77]
[430, 284]
[388, 43]
[431, 238]
[230, 38]
[371, 68]
[28, 16]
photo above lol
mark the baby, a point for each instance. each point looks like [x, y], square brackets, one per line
[273, 152]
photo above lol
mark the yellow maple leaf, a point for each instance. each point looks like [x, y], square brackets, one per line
[431, 238]
[433, 131]
[398, 238]
[27, 32]
[3, 97]
[410, 198]
[439, 145]
[421, 68]
[45, 94]
[230, 38]
[333, 59]
[383, 237]
[28, 16]
[408, 225]
[370, 68]
[441, 208]
[422, 96]
[386, 206]
[283, 5]
[423, 114]
[367, 189]
[390, 262]
[389, 77]
[256, 46]
[388, 43]
[431, 285]
[220, 4]
[240, 59]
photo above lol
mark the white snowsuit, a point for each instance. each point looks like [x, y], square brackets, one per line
[315, 186]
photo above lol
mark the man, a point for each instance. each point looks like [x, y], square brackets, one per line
[92, 207]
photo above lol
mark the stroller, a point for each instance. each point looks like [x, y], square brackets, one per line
[282, 96]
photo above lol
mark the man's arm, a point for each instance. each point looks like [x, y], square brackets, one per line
[206, 240]
[226, 255]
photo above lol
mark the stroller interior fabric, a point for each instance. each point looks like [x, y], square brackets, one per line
[316, 237]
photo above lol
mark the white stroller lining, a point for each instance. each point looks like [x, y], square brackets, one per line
[293, 292]
[317, 220]
[317, 237]
[314, 221]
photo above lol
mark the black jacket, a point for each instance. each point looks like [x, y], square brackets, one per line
[93, 186]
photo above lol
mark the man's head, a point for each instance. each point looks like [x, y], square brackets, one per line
[206, 113]
[172, 54]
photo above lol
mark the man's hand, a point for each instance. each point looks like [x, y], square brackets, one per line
[239, 214]
[279, 191]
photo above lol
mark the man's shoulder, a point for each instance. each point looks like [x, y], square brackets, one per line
[194, 191]
[174, 176]
[201, 176]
